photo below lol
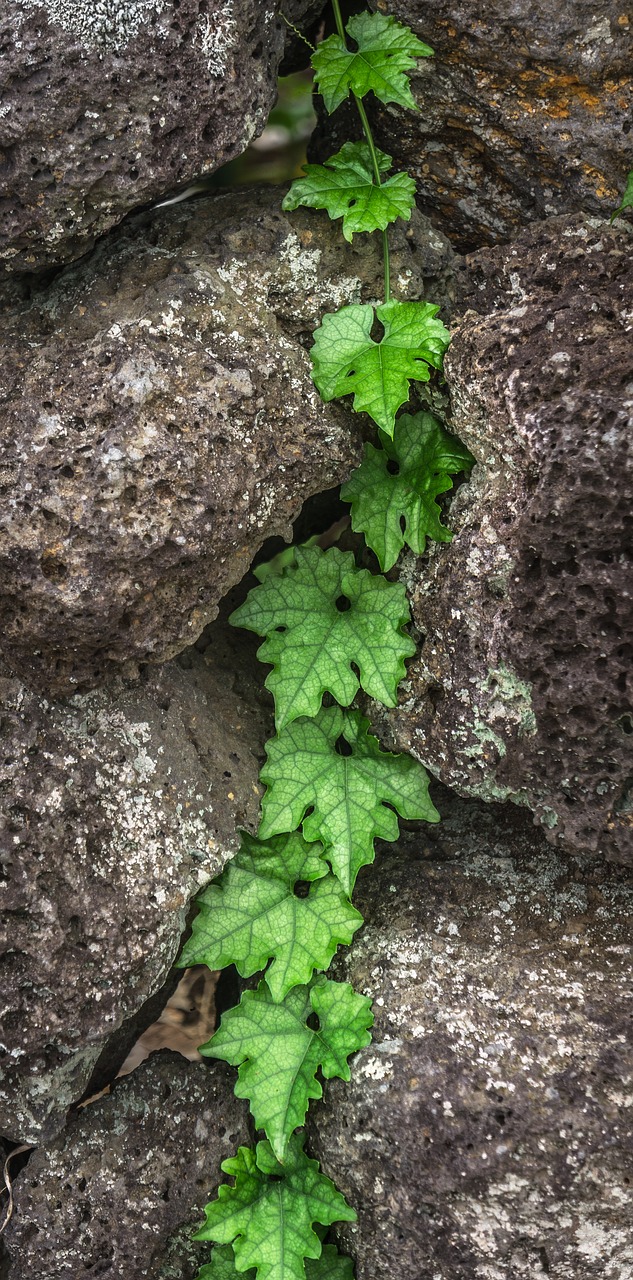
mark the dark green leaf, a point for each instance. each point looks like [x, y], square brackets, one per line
[397, 486]
[345, 186]
[333, 615]
[348, 361]
[347, 794]
[386, 53]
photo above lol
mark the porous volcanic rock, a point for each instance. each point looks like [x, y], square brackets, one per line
[109, 104]
[115, 809]
[525, 112]
[159, 422]
[521, 688]
[120, 1191]
[485, 1132]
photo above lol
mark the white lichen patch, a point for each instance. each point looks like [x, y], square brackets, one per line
[107, 25]
[217, 37]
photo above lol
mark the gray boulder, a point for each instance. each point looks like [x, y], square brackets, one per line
[159, 422]
[521, 687]
[485, 1132]
[109, 104]
[120, 1191]
[116, 808]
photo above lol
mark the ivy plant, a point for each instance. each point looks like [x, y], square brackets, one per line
[330, 629]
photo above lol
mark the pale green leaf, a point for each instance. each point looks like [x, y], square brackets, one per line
[347, 360]
[347, 794]
[346, 187]
[333, 615]
[278, 1054]
[393, 492]
[386, 52]
[283, 560]
[269, 1212]
[252, 914]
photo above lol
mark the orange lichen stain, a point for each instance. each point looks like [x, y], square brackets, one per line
[623, 20]
[599, 183]
[452, 32]
[554, 94]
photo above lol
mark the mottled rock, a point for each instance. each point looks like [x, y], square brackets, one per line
[485, 1132]
[159, 422]
[109, 104]
[521, 688]
[115, 809]
[119, 1192]
[524, 113]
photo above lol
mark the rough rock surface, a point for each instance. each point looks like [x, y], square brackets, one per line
[120, 1191]
[485, 1132]
[525, 112]
[109, 105]
[115, 809]
[521, 688]
[160, 422]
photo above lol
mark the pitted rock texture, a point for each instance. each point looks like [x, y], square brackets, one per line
[115, 809]
[110, 104]
[160, 422]
[120, 1191]
[525, 112]
[487, 1130]
[521, 688]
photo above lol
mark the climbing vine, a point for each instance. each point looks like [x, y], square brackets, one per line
[329, 628]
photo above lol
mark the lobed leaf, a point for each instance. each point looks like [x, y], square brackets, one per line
[320, 617]
[393, 491]
[269, 1212]
[345, 186]
[251, 914]
[278, 1054]
[347, 360]
[340, 799]
[386, 52]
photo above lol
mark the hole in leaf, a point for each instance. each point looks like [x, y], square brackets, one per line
[342, 747]
[281, 629]
[275, 1177]
[351, 373]
[301, 889]
[313, 1022]
[393, 468]
[403, 524]
[343, 604]
[377, 331]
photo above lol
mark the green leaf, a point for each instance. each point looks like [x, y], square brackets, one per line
[393, 491]
[345, 186]
[269, 1213]
[251, 913]
[627, 199]
[332, 614]
[348, 361]
[347, 793]
[278, 1054]
[332, 1265]
[386, 53]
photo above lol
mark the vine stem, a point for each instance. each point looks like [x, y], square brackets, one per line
[372, 150]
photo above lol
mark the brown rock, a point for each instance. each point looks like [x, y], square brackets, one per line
[110, 104]
[485, 1132]
[120, 1191]
[521, 688]
[160, 422]
[115, 809]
